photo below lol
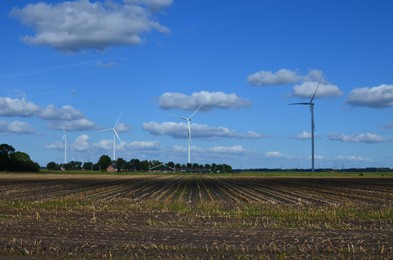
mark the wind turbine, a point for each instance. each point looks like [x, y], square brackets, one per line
[311, 105]
[188, 119]
[115, 135]
[65, 145]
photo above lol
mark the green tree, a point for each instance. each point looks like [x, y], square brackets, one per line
[171, 164]
[144, 165]
[227, 168]
[52, 166]
[135, 164]
[6, 154]
[73, 165]
[88, 166]
[121, 164]
[104, 162]
[21, 161]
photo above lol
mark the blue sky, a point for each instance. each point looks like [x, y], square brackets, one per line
[78, 65]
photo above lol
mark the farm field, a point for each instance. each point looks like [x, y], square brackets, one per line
[191, 216]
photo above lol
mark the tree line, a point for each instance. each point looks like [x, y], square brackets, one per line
[16, 161]
[136, 165]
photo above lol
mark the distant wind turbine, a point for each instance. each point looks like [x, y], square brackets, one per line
[65, 145]
[311, 105]
[115, 135]
[188, 119]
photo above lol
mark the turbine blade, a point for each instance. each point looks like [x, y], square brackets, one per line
[105, 130]
[195, 111]
[313, 96]
[117, 121]
[118, 138]
[181, 117]
[303, 103]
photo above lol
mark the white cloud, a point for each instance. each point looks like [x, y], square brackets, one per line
[104, 145]
[273, 154]
[353, 158]
[307, 90]
[56, 146]
[122, 128]
[180, 130]
[227, 149]
[15, 127]
[209, 100]
[304, 135]
[76, 25]
[17, 107]
[154, 4]
[66, 117]
[357, 138]
[375, 97]
[266, 78]
[50, 112]
[81, 143]
[143, 145]
[74, 125]
[306, 86]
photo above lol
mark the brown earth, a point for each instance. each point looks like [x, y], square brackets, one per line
[68, 216]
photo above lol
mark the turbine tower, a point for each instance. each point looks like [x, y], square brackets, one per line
[115, 135]
[311, 105]
[188, 119]
[65, 145]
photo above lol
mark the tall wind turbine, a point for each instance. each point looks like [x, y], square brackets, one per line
[311, 105]
[188, 119]
[115, 135]
[65, 145]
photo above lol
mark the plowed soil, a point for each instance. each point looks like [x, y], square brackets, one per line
[191, 216]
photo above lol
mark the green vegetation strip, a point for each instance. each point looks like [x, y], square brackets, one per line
[250, 215]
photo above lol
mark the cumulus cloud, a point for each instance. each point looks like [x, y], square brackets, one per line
[357, 138]
[51, 112]
[267, 78]
[17, 107]
[306, 84]
[15, 127]
[180, 130]
[273, 154]
[122, 128]
[143, 145]
[124, 146]
[55, 146]
[307, 90]
[374, 97]
[304, 135]
[75, 25]
[353, 158]
[227, 149]
[209, 100]
[66, 117]
[81, 143]
[74, 125]
[154, 4]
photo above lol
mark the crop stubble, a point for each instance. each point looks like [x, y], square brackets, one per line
[190, 216]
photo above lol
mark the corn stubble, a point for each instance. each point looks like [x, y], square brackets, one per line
[196, 216]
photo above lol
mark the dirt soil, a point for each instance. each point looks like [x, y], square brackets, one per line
[168, 217]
